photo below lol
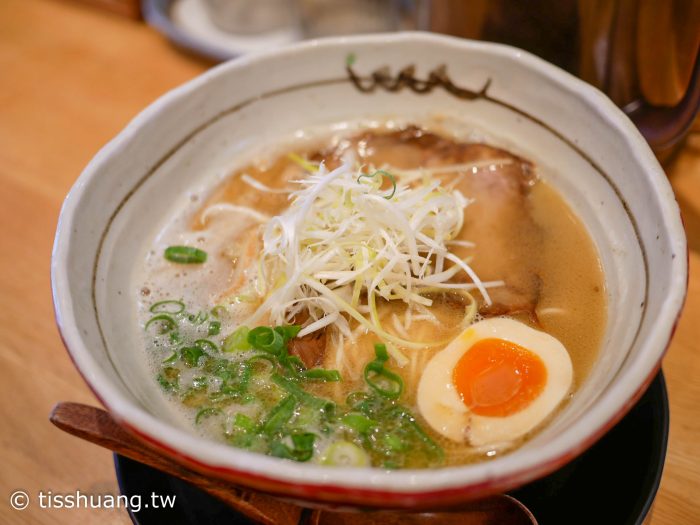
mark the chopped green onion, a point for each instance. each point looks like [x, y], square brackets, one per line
[168, 323]
[410, 420]
[218, 311]
[304, 440]
[199, 382]
[381, 174]
[169, 379]
[350, 59]
[206, 412]
[394, 442]
[382, 356]
[288, 332]
[247, 399]
[358, 422]
[287, 384]
[433, 447]
[266, 339]
[167, 307]
[185, 255]
[244, 422]
[378, 430]
[291, 364]
[345, 454]
[199, 318]
[411, 427]
[279, 415]
[302, 450]
[263, 357]
[171, 359]
[214, 328]
[175, 337]
[373, 406]
[302, 395]
[234, 376]
[356, 398]
[238, 340]
[190, 355]
[385, 382]
[206, 344]
[321, 374]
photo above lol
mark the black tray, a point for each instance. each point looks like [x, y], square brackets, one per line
[614, 482]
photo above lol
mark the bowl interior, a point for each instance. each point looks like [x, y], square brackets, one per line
[193, 138]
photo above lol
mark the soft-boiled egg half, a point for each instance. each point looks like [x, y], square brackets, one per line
[494, 383]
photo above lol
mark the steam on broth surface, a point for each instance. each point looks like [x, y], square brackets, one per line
[389, 298]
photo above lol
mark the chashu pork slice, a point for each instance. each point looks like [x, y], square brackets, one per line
[498, 221]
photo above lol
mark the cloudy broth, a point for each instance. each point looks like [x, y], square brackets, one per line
[523, 232]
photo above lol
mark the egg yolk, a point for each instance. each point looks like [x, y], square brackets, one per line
[498, 378]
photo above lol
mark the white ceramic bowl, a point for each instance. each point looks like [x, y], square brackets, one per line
[190, 137]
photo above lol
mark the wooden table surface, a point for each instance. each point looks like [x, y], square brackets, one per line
[71, 77]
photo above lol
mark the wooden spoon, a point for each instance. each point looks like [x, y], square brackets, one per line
[97, 426]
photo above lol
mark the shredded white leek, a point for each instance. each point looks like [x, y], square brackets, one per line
[346, 241]
[215, 209]
[255, 183]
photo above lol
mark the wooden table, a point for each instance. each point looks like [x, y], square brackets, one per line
[71, 77]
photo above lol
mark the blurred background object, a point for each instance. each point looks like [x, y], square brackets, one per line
[343, 17]
[251, 16]
[642, 53]
[223, 29]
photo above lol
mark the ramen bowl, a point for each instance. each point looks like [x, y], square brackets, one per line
[190, 138]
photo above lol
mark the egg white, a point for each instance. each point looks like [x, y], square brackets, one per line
[441, 405]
